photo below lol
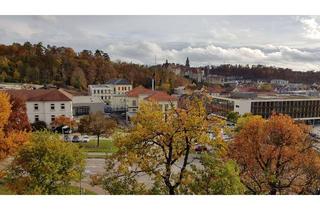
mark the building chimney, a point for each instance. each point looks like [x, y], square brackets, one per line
[152, 83]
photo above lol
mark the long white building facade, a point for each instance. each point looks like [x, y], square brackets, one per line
[45, 104]
[298, 107]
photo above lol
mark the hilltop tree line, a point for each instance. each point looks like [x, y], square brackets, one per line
[63, 66]
[263, 72]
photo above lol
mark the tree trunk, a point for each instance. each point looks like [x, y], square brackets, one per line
[98, 140]
[273, 191]
[171, 191]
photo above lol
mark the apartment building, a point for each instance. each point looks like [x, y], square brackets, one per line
[103, 91]
[139, 94]
[45, 104]
[113, 93]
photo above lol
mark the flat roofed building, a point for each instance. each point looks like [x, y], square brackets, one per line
[279, 82]
[298, 107]
[84, 105]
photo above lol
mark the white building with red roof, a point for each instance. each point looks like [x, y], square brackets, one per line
[45, 104]
[140, 93]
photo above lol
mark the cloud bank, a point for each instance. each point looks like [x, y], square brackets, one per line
[282, 56]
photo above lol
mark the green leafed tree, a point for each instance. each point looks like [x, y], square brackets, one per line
[45, 165]
[97, 124]
[78, 79]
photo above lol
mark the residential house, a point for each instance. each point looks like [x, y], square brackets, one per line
[45, 104]
[139, 94]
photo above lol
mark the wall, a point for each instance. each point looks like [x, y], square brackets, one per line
[44, 110]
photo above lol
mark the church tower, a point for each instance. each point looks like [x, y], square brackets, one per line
[187, 62]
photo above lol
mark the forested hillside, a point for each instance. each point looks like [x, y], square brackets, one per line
[62, 66]
[266, 72]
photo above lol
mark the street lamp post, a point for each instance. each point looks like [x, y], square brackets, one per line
[80, 182]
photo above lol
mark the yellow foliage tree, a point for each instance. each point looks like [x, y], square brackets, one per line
[161, 146]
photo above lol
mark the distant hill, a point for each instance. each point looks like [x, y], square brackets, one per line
[266, 73]
[62, 66]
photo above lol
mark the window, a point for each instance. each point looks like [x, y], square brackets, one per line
[53, 118]
[81, 110]
[98, 91]
[119, 88]
[62, 106]
[166, 106]
[36, 107]
[52, 106]
[125, 88]
[102, 97]
[36, 118]
[94, 91]
[237, 106]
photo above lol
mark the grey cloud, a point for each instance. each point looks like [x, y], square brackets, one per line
[283, 56]
[286, 41]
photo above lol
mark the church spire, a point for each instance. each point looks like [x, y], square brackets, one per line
[187, 62]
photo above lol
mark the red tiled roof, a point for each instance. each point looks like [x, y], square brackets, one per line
[41, 95]
[135, 92]
[153, 95]
[161, 96]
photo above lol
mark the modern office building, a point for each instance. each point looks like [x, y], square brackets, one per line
[298, 107]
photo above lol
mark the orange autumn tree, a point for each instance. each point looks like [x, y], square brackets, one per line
[63, 120]
[11, 140]
[276, 156]
[18, 119]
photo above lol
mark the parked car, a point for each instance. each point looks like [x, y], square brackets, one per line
[66, 137]
[85, 138]
[75, 138]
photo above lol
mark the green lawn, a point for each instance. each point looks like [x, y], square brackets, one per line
[105, 146]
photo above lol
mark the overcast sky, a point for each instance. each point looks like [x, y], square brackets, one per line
[285, 41]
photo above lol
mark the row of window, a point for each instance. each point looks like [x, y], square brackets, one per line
[52, 107]
[295, 109]
[36, 118]
[81, 110]
[101, 91]
[105, 91]
[105, 97]
[123, 88]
